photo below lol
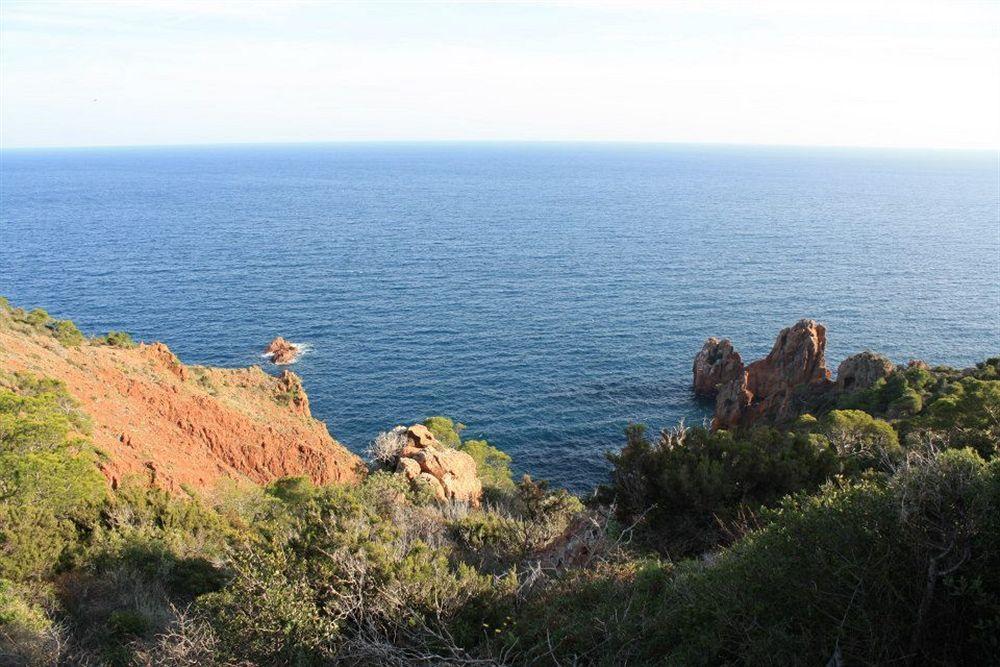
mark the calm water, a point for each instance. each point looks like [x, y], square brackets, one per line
[543, 295]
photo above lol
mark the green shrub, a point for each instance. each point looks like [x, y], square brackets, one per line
[33, 541]
[49, 483]
[445, 430]
[344, 576]
[693, 481]
[909, 403]
[293, 490]
[39, 321]
[968, 411]
[37, 318]
[16, 610]
[860, 440]
[153, 530]
[119, 339]
[27, 634]
[66, 333]
[492, 541]
[492, 465]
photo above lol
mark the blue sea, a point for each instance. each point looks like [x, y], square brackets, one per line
[544, 295]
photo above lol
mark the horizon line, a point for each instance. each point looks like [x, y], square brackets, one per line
[594, 142]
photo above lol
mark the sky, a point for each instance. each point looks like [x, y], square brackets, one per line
[840, 73]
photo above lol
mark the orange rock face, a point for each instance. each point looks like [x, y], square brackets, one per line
[771, 388]
[715, 365]
[862, 370]
[175, 424]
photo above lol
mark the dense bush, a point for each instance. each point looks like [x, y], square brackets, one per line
[691, 482]
[447, 432]
[492, 465]
[844, 573]
[48, 479]
[120, 339]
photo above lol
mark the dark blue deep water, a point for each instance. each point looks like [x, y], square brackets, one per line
[545, 295]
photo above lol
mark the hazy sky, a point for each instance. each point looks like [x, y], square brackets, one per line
[173, 72]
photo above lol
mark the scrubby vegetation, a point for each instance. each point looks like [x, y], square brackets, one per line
[38, 321]
[866, 533]
[120, 339]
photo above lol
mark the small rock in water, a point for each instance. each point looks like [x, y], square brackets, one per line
[281, 351]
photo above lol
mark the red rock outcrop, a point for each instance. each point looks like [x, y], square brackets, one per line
[186, 425]
[282, 352]
[771, 388]
[715, 366]
[862, 370]
[290, 388]
[449, 473]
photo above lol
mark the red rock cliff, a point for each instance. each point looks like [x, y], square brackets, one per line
[176, 424]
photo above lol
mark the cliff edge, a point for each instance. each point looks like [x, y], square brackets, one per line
[178, 424]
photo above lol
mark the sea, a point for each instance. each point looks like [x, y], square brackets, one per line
[544, 295]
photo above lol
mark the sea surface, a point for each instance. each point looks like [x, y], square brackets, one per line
[543, 295]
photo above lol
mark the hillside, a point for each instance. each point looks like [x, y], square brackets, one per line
[179, 425]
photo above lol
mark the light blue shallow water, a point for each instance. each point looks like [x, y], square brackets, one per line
[545, 295]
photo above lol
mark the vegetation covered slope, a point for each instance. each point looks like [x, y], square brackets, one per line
[862, 534]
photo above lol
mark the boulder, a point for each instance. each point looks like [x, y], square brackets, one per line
[714, 366]
[282, 352]
[772, 388]
[450, 473]
[420, 436]
[455, 470]
[408, 467]
[862, 370]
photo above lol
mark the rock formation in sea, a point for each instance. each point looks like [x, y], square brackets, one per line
[773, 388]
[449, 473]
[715, 365]
[282, 352]
[181, 425]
